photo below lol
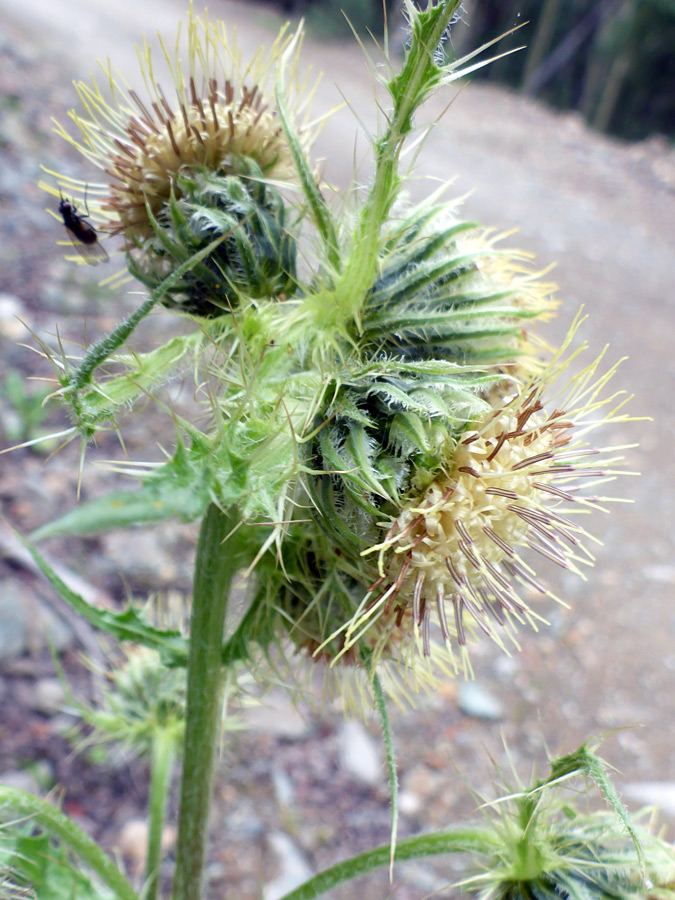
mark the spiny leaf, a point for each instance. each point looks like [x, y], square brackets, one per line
[317, 205]
[180, 489]
[128, 625]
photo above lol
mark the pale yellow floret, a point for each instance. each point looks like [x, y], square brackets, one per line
[477, 493]
[511, 485]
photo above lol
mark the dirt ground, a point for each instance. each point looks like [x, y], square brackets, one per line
[605, 213]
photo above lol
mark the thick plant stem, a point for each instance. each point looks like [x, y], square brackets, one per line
[215, 567]
[163, 755]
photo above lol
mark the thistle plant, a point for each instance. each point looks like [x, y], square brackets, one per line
[383, 445]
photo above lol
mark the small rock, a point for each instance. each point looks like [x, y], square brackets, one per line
[294, 868]
[25, 624]
[244, 822]
[13, 316]
[279, 717]
[21, 780]
[48, 696]
[359, 754]
[283, 788]
[13, 622]
[418, 785]
[147, 559]
[506, 667]
[659, 572]
[478, 702]
[132, 842]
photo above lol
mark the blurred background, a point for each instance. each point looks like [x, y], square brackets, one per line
[613, 61]
[569, 141]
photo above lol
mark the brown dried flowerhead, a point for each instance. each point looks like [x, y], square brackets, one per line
[220, 111]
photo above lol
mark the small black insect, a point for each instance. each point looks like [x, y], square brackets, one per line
[82, 234]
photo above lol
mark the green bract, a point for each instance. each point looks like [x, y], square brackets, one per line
[255, 259]
[444, 292]
[384, 430]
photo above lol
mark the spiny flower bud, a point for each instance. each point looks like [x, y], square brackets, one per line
[140, 699]
[446, 292]
[540, 842]
[255, 259]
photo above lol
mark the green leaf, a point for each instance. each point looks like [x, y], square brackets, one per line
[47, 867]
[128, 625]
[122, 509]
[180, 489]
[99, 402]
[421, 72]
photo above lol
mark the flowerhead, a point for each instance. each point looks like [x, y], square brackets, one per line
[218, 112]
[196, 166]
[446, 290]
[462, 530]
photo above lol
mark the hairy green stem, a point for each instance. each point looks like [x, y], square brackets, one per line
[391, 765]
[16, 803]
[163, 755]
[419, 75]
[461, 840]
[215, 566]
[101, 350]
